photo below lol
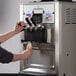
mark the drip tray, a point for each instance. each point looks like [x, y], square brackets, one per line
[38, 71]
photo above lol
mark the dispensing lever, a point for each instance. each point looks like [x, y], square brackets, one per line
[33, 21]
[28, 22]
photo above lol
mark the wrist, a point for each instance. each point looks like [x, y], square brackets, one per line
[22, 56]
[17, 57]
[14, 32]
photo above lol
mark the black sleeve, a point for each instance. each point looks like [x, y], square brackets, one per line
[5, 56]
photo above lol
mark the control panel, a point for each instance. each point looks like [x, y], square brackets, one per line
[41, 13]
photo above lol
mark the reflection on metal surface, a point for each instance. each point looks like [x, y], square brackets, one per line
[40, 66]
[34, 70]
[38, 69]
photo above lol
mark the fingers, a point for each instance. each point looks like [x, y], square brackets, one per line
[21, 23]
[27, 52]
[29, 47]
[20, 26]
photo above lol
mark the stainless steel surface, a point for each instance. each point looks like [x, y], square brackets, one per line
[36, 69]
[43, 55]
[42, 61]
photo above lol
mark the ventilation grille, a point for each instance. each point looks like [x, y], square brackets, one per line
[70, 16]
[73, 16]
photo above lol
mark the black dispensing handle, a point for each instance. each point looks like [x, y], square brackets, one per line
[36, 26]
[33, 21]
[28, 21]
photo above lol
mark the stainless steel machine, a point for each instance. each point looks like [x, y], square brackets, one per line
[51, 28]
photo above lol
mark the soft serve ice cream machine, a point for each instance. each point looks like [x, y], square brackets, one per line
[51, 30]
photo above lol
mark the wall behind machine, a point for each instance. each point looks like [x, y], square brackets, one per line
[10, 15]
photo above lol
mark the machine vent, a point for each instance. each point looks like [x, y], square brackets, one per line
[67, 16]
[73, 16]
[70, 16]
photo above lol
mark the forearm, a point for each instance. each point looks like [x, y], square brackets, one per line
[24, 55]
[17, 57]
[19, 27]
[6, 36]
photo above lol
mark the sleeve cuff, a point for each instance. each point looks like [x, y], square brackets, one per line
[5, 56]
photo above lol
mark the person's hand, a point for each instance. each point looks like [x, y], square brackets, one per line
[27, 52]
[19, 26]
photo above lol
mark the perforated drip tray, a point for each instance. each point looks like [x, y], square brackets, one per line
[39, 70]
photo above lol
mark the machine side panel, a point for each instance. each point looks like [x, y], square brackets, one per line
[68, 39]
